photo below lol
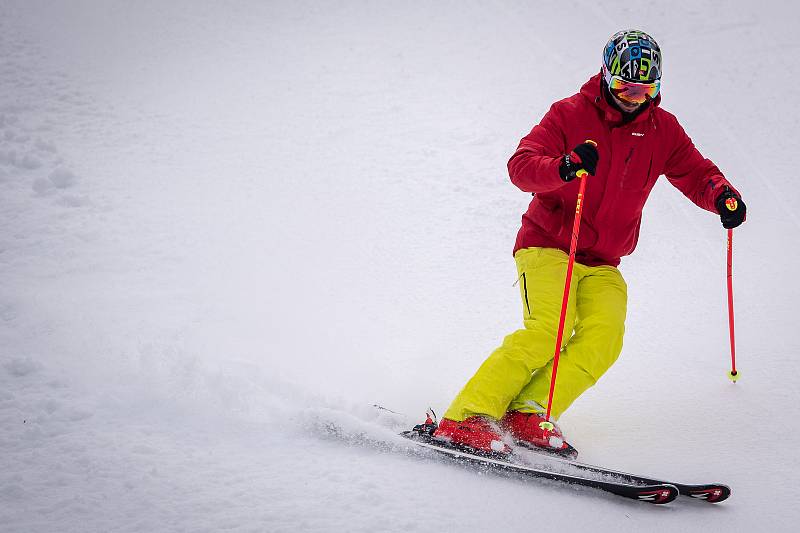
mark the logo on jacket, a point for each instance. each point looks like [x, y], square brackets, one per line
[637, 134]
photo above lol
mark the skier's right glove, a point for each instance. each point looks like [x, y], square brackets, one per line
[584, 156]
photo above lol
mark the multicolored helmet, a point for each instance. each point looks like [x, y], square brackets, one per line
[633, 56]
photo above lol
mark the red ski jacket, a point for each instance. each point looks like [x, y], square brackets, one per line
[632, 157]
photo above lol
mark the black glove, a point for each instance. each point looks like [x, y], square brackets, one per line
[584, 156]
[731, 208]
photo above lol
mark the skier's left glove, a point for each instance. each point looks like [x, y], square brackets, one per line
[731, 208]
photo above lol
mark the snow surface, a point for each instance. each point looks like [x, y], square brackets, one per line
[229, 228]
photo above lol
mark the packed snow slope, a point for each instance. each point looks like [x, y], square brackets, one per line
[229, 228]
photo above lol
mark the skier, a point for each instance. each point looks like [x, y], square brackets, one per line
[633, 142]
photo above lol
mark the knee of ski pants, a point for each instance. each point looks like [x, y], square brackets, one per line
[600, 328]
[531, 346]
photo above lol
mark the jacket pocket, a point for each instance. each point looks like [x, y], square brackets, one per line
[637, 170]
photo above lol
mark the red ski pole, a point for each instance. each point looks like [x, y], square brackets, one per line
[576, 226]
[733, 375]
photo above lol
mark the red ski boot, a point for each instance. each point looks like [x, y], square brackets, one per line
[476, 432]
[528, 429]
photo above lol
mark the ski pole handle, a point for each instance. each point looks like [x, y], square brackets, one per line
[582, 172]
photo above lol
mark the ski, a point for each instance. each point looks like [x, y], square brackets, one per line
[709, 492]
[615, 481]
[656, 493]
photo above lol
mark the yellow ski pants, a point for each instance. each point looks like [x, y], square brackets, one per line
[516, 376]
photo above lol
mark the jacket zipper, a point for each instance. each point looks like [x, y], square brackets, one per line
[625, 170]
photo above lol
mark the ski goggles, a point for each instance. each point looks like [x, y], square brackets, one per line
[629, 91]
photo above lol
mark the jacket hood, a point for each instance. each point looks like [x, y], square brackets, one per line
[592, 90]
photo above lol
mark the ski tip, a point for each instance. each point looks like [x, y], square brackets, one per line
[658, 494]
[712, 493]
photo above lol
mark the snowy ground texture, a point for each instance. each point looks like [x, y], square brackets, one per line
[230, 227]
